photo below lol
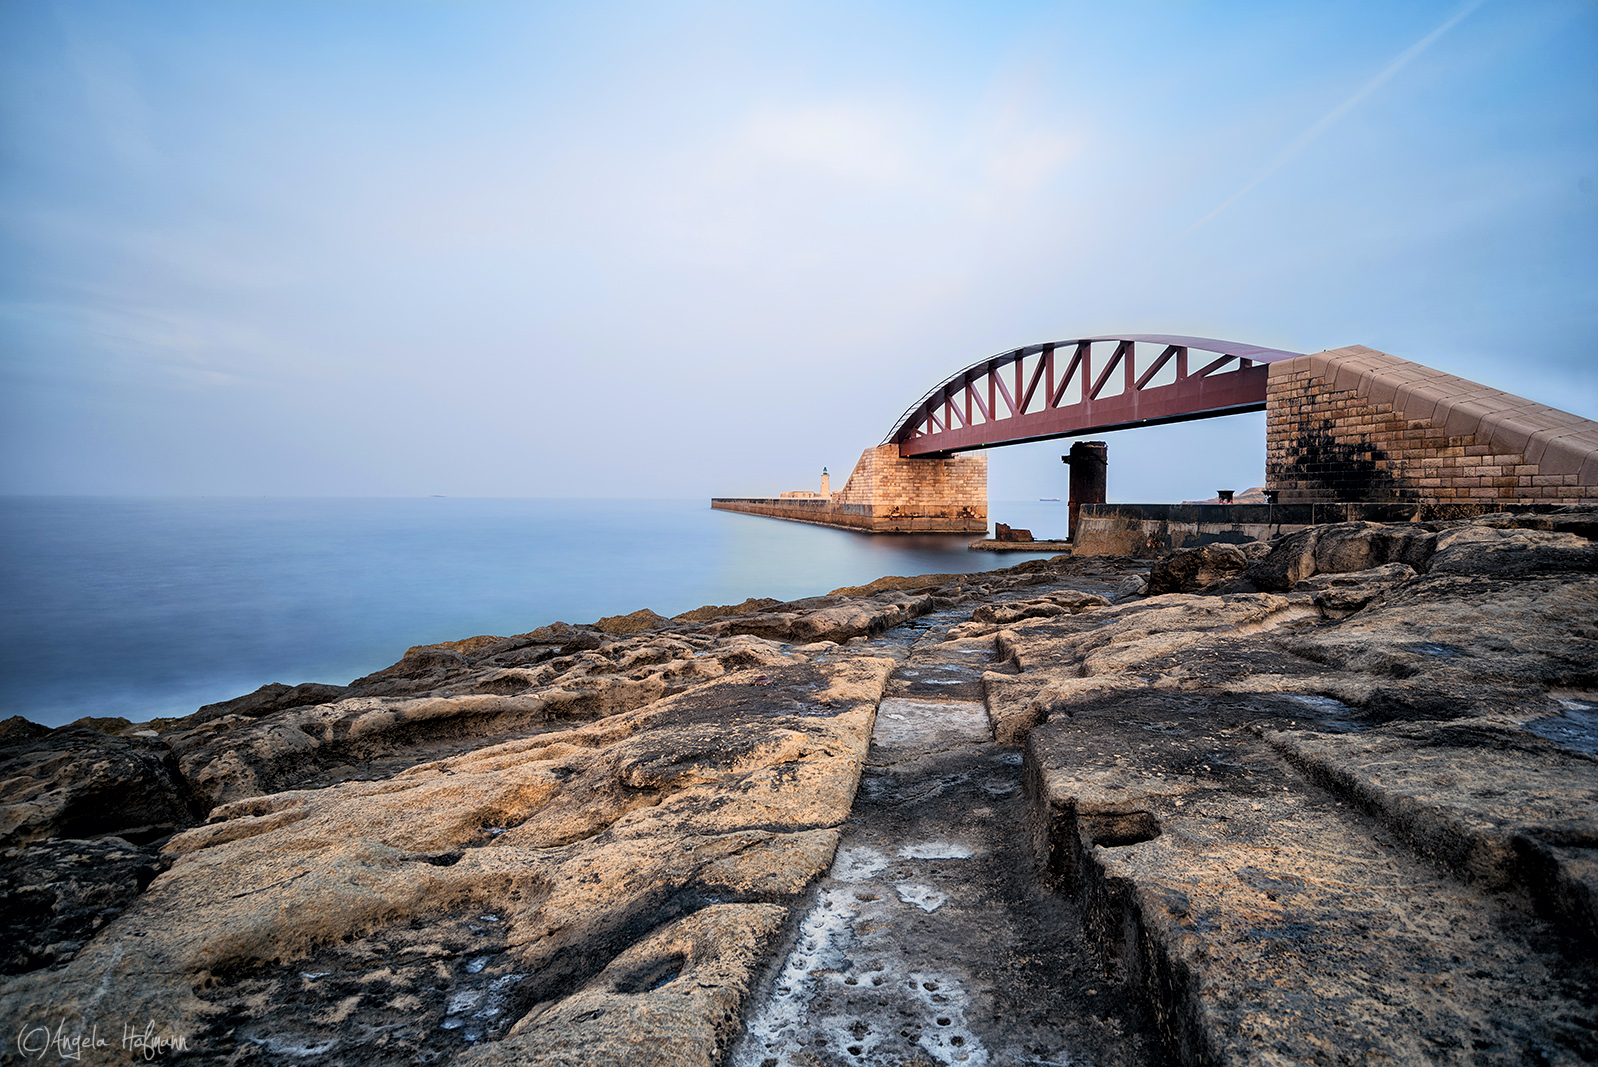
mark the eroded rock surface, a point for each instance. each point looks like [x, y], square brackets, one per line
[577, 843]
[1332, 800]
[59, 893]
[581, 840]
[78, 782]
[931, 940]
[1351, 818]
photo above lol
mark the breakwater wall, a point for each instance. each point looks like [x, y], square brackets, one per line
[887, 493]
[1148, 530]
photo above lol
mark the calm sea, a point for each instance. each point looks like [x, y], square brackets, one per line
[142, 608]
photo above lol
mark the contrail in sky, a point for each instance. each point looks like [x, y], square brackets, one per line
[1342, 109]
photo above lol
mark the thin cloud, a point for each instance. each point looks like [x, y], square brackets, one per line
[1298, 143]
[849, 143]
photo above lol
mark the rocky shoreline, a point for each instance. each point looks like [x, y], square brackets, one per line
[1327, 799]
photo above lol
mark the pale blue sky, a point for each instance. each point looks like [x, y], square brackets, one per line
[658, 249]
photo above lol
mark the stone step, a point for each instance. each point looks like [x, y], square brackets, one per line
[1268, 921]
[1495, 805]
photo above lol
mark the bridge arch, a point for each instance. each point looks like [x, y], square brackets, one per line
[1060, 389]
[1349, 426]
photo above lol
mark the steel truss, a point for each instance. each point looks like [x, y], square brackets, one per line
[1058, 389]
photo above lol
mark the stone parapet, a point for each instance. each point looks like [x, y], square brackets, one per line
[1149, 530]
[1355, 424]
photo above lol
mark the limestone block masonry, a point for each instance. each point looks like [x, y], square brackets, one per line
[890, 494]
[1358, 424]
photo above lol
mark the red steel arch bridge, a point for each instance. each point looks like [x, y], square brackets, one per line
[1085, 386]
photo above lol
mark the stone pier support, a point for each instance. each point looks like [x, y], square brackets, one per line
[1090, 477]
[890, 494]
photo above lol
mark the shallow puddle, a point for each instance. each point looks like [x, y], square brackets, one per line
[1576, 728]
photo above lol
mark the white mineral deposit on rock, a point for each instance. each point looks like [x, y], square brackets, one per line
[922, 896]
[1331, 792]
[935, 850]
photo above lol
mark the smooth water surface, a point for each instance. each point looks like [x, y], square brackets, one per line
[142, 608]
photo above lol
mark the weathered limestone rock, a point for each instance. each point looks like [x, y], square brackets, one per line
[1577, 519]
[913, 583]
[835, 619]
[1493, 545]
[1483, 797]
[59, 893]
[1264, 915]
[581, 840]
[270, 698]
[1066, 602]
[1340, 595]
[1349, 546]
[452, 701]
[1507, 553]
[1188, 570]
[77, 782]
[1337, 804]
[638, 622]
[1012, 706]
[928, 942]
[16, 729]
[1359, 546]
[1358, 820]
[472, 836]
[716, 611]
[1439, 646]
[672, 998]
[1109, 641]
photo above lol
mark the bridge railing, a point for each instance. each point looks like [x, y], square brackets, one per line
[1057, 389]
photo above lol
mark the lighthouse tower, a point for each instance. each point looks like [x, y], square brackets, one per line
[826, 483]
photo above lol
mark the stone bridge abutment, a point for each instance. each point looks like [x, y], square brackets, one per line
[1355, 424]
[889, 493]
[1345, 426]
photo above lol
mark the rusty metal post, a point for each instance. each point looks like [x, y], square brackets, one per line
[1089, 462]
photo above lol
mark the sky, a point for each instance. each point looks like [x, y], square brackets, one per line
[695, 249]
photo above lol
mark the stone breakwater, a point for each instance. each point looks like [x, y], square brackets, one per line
[1331, 799]
[887, 493]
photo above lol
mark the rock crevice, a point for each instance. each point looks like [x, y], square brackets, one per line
[1319, 800]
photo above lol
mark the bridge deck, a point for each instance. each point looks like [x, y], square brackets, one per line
[1055, 390]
